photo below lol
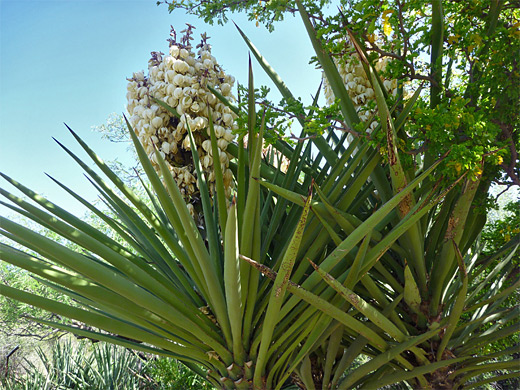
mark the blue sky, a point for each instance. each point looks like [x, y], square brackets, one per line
[67, 61]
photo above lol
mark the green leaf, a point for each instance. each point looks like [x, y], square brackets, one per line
[458, 306]
[412, 297]
[278, 292]
[331, 72]
[384, 358]
[232, 284]
[362, 306]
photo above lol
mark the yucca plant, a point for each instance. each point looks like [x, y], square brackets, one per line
[70, 364]
[432, 292]
[305, 268]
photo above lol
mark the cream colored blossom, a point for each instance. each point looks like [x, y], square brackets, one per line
[180, 79]
[357, 84]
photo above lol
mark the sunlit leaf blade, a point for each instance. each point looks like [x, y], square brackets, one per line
[278, 291]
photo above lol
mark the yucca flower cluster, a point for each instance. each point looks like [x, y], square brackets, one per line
[180, 79]
[358, 84]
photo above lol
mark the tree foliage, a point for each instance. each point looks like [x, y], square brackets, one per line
[471, 103]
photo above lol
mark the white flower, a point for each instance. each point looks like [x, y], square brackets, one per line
[206, 145]
[228, 119]
[207, 161]
[222, 144]
[228, 136]
[174, 51]
[177, 92]
[157, 122]
[180, 66]
[180, 79]
[186, 144]
[184, 53]
[170, 89]
[219, 131]
[360, 88]
[147, 114]
[172, 101]
[186, 102]
[200, 122]
[195, 107]
[358, 85]
[170, 76]
[223, 157]
[212, 99]
[191, 209]
[165, 147]
[225, 89]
